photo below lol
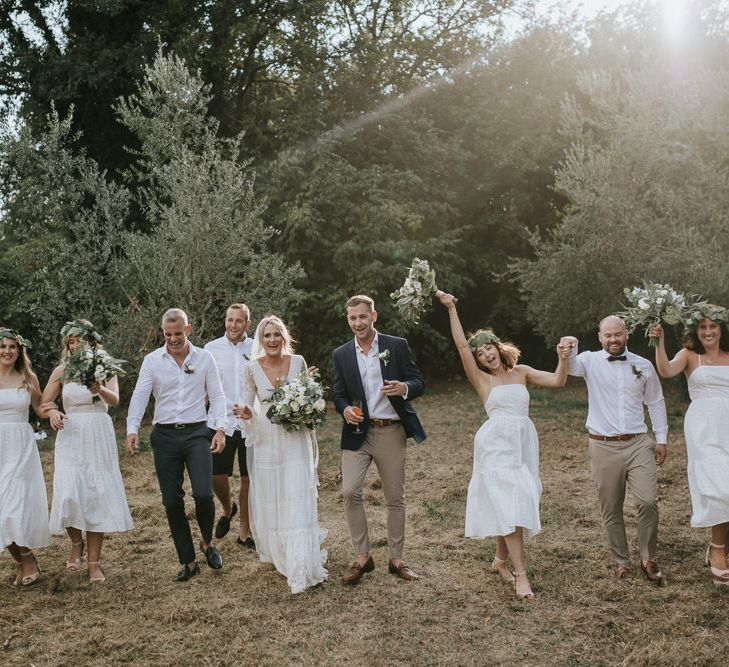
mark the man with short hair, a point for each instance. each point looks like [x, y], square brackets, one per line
[232, 352]
[619, 384]
[375, 378]
[181, 377]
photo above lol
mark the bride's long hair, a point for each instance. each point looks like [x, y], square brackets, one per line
[288, 340]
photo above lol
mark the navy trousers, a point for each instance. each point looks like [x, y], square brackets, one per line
[175, 450]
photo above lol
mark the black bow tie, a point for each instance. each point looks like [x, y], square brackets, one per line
[613, 358]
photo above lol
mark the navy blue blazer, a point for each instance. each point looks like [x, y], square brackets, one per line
[348, 387]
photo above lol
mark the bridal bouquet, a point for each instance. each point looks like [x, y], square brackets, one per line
[654, 304]
[298, 402]
[414, 296]
[89, 365]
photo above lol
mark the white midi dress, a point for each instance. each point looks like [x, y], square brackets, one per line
[88, 490]
[706, 429]
[505, 489]
[23, 500]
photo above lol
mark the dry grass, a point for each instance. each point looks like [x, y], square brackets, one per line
[455, 614]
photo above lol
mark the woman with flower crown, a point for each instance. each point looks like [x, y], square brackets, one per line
[505, 489]
[282, 466]
[88, 490]
[704, 359]
[23, 502]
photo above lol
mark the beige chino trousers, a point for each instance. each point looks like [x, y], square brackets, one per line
[615, 465]
[386, 446]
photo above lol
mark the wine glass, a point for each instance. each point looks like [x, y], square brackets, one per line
[357, 409]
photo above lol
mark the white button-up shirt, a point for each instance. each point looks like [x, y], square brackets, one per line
[231, 360]
[179, 392]
[378, 405]
[617, 391]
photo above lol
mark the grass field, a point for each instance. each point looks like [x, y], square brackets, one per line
[454, 615]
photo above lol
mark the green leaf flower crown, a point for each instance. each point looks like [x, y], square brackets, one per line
[82, 329]
[706, 311]
[12, 333]
[484, 338]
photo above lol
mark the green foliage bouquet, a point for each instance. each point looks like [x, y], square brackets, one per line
[298, 402]
[415, 294]
[89, 365]
[653, 304]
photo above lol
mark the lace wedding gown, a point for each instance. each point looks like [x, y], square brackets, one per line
[23, 501]
[706, 428]
[283, 488]
[88, 490]
[505, 488]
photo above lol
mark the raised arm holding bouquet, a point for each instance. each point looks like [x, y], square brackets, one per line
[505, 489]
[704, 359]
[654, 304]
[415, 295]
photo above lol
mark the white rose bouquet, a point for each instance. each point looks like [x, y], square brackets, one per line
[89, 365]
[298, 402]
[654, 304]
[415, 294]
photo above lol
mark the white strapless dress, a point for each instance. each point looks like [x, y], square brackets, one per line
[23, 500]
[88, 490]
[505, 489]
[706, 429]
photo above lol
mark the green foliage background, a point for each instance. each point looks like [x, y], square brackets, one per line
[289, 154]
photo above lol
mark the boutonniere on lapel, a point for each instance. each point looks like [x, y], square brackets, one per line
[188, 368]
[384, 357]
[636, 371]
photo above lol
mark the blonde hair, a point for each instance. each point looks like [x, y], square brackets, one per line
[508, 352]
[359, 299]
[86, 340]
[22, 364]
[288, 340]
[240, 306]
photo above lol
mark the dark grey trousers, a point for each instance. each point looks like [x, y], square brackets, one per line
[173, 452]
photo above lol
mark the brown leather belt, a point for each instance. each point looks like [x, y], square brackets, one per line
[379, 423]
[614, 438]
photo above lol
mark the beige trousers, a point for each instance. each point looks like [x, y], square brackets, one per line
[615, 465]
[386, 446]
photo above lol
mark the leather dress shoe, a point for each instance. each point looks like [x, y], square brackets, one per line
[249, 543]
[187, 573]
[651, 572]
[402, 571]
[223, 525]
[356, 571]
[212, 556]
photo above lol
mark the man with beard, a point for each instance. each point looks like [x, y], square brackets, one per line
[621, 453]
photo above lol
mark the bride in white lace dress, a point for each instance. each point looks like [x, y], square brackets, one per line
[505, 489]
[282, 467]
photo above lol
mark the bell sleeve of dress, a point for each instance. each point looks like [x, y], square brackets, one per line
[250, 400]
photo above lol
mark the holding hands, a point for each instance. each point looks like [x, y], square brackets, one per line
[242, 411]
[565, 346]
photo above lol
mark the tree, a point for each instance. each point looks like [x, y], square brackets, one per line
[208, 245]
[61, 220]
[645, 177]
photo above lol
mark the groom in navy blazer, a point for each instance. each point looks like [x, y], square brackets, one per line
[378, 372]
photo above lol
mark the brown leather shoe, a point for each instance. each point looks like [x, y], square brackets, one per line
[403, 571]
[623, 572]
[651, 571]
[356, 571]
